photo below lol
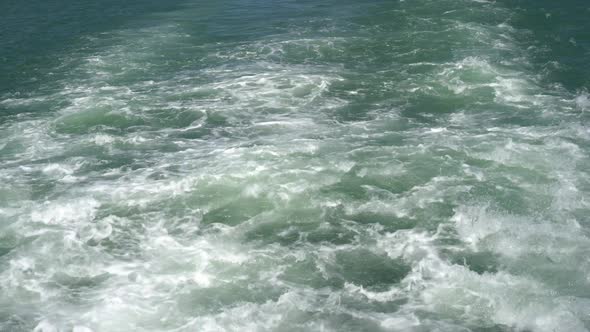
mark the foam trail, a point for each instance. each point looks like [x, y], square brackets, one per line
[378, 166]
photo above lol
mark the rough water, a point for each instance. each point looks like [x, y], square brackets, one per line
[294, 165]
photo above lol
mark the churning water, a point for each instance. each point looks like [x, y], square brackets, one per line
[294, 165]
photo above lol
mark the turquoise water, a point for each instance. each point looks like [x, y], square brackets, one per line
[257, 165]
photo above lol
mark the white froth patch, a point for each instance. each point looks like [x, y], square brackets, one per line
[24, 264]
[253, 190]
[401, 323]
[103, 139]
[385, 296]
[80, 210]
[583, 101]
[268, 316]
[81, 328]
[473, 224]
[514, 91]
[517, 236]
[405, 205]
[22, 277]
[45, 326]
[449, 290]
[61, 172]
[202, 279]
[96, 231]
[57, 169]
[437, 130]
[493, 298]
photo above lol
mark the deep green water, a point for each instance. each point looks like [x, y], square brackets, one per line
[284, 165]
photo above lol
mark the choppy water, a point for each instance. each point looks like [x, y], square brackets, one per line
[258, 165]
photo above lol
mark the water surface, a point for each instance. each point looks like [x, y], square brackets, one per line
[257, 165]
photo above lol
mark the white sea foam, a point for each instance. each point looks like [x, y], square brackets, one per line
[232, 196]
[66, 212]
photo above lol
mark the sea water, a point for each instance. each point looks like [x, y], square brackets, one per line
[294, 165]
